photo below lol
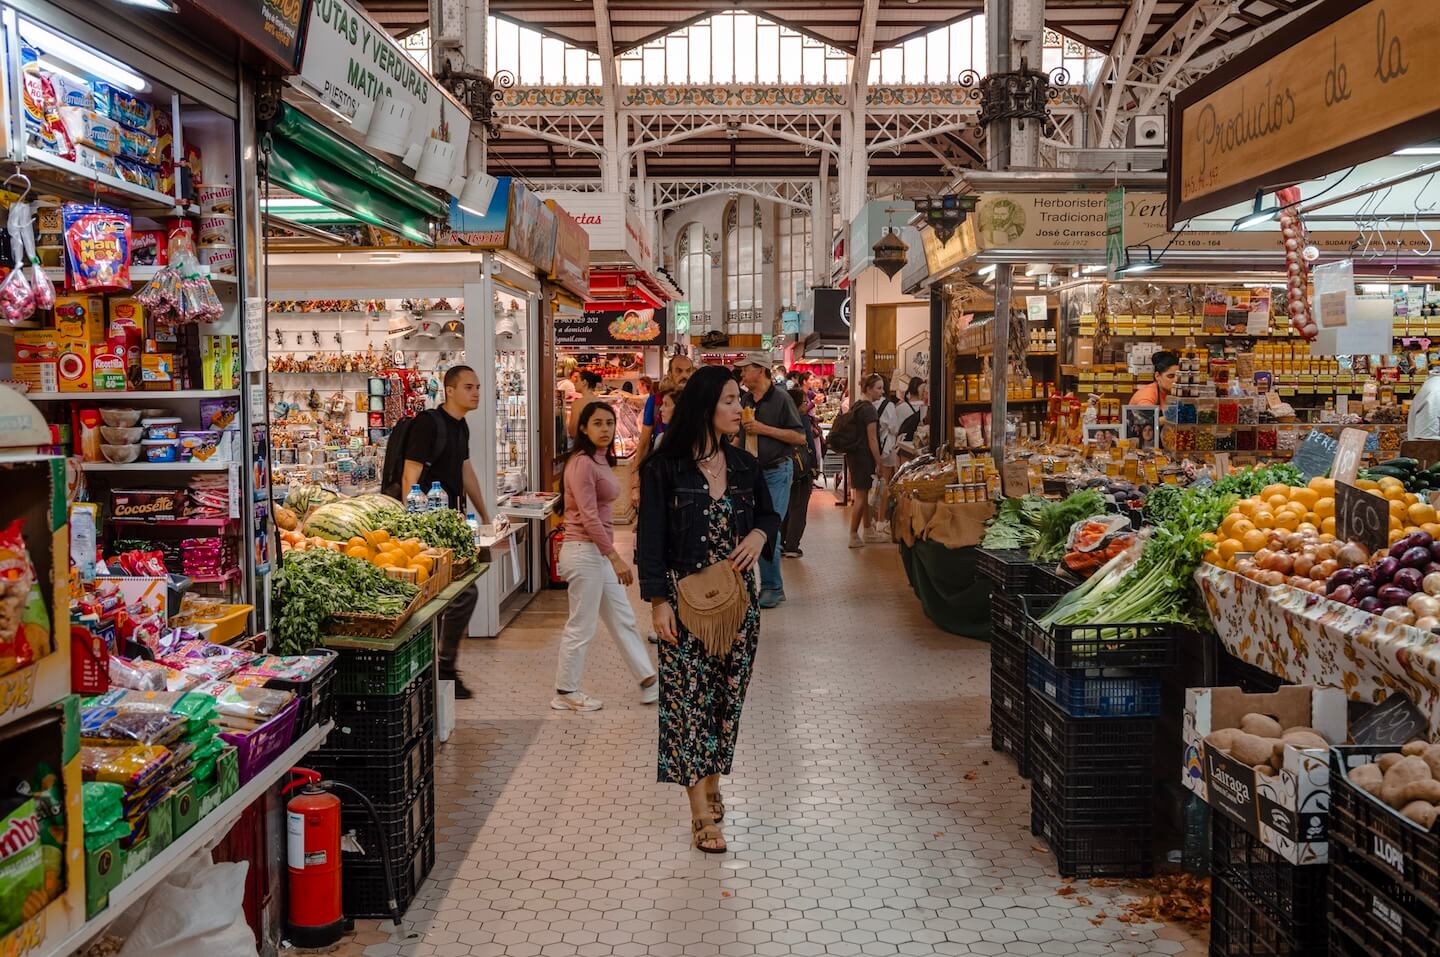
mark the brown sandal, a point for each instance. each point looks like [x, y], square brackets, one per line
[707, 833]
[717, 807]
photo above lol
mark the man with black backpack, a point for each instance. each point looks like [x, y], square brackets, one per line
[434, 446]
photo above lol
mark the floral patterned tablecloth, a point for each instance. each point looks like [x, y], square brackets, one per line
[1306, 639]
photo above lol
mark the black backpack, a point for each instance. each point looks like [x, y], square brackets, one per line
[911, 423]
[392, 473]
[845, 432]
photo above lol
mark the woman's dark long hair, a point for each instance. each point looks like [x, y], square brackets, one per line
[691, 432]
[583, 445]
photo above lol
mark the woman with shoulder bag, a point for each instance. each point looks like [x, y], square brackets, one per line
[705, 519]
[593, 568]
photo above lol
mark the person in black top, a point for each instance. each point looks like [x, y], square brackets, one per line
[429, 458]
[773, 428]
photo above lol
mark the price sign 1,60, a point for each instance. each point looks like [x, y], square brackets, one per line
[1361, 517]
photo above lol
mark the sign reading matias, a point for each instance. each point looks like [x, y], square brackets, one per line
[1347, 82]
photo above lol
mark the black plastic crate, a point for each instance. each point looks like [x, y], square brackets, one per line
[1008, 656]
[316, 695]
[1293, 894]
[1376, 914]
[387, 778]
[1083, 852]
[400, 826]
[1008, 568]
[1095, 692]
[384, 722]
[1121, 645]
[1385, 838]
[1008, 721]
[1007, 614]
[1050, 580]
[363, 882]
[1240, 926]
[1089, 743]
[1085, 798]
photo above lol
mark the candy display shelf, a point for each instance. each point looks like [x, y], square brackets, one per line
[156, 466]
[206, 831]
[129, 394]
[71, 176]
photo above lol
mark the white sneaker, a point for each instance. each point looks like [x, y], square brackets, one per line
[856, 541]
[575, 701]
[877, 538]
[651, 693]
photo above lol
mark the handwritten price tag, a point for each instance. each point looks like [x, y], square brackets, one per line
[1347, 455]
[1361, 517]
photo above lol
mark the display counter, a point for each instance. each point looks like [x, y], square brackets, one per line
[1306, 639]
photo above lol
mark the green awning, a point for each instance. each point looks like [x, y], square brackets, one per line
[313, 137]
[305, 174]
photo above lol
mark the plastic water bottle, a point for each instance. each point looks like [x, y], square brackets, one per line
[436, 499]
[415, 501]
[474, 524]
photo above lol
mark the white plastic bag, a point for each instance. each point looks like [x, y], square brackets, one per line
[198, 911]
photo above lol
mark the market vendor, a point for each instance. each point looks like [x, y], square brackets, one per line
[1167, 370]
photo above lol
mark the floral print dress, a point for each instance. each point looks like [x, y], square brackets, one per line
[701, 696]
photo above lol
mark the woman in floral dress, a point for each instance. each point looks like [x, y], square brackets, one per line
[703, 500]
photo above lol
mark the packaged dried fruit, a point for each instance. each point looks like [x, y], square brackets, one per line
[24, 619]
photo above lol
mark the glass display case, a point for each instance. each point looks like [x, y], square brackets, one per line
[512, 400]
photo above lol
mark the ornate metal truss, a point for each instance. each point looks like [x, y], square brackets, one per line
[674, 193]
[653, 130]
[576, 132]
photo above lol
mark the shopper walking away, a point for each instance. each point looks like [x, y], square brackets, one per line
[773, 430]
[584, 394]
[863, 461]
[681, 367]
[705, 515]
[807, 466]
[589, 563]
[437, 449]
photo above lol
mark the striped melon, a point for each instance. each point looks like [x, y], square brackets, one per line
[338, 521]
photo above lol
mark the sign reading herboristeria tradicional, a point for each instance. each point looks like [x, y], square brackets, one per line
[1345, 82]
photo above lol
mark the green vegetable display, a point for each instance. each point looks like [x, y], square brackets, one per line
[1248, 482]
[442, 528]
[1056, 518]
[314, 584]
[1016, 523]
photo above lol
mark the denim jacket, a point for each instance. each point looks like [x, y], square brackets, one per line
[671, 532]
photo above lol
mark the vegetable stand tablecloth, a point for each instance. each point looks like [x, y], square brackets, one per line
[952, 594]
[1306, 639]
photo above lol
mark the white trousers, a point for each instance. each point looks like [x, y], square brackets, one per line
[595, 592]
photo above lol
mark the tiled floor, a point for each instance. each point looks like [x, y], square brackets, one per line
[868, 813]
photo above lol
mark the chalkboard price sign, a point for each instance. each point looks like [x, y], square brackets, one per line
[1394, 721]
[1315, 454]
[1361, 517]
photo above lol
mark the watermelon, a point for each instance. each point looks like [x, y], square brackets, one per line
[338, 521]
[308, 497]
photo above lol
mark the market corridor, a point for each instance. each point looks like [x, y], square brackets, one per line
[868, 812]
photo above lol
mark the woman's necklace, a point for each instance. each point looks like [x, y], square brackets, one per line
[712, 466]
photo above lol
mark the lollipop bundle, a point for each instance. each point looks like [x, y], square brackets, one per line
[179, 293]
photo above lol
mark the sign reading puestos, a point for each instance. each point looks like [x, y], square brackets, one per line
[1347, 82]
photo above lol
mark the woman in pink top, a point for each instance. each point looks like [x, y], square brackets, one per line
[596, 574]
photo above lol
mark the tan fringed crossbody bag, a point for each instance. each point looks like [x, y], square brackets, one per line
[713, 604]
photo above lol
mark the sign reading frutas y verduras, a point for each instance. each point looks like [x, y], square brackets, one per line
[271, 26]
[350, 61]
[1348, 81]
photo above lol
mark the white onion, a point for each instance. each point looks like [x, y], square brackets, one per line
[1424, 605]
[1431, 584]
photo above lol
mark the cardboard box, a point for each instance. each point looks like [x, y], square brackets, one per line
[103, 869]
[226, 783]
[160, 831]
[157, 371]
[37, 345]
[1287, 812]
[80, 317]
[107, 367]
[155, 505]
[185, 805]
[125, 313]
[75, 371]
[39, 376]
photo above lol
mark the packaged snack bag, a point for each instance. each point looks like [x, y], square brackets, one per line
[22, 867]
[97, 247]
[24, 619]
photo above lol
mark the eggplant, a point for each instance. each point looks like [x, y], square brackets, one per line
[1385, 570]
[1372, 604]
[1415, 557]
[1392, 595]
[1409, 579]
[1345, 576]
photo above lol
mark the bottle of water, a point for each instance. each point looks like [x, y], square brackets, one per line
[436, 499]
[474, 524]
[415, 500]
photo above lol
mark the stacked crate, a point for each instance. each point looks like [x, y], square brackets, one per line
[1009, 571]
[1093, 702]
[1259, 902]
[1384, 871]
[383, 745]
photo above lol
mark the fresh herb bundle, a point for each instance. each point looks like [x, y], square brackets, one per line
[314, 584]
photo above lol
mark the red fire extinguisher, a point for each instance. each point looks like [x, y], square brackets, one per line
[312, 850]
[314, 914]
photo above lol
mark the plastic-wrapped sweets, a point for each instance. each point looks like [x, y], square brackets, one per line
[133, 766]
[131, 727]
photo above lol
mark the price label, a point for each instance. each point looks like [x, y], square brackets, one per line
[1015, 479]
[1361, 517]
[1347, 455]
[1222, 464]
[1394, 721]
